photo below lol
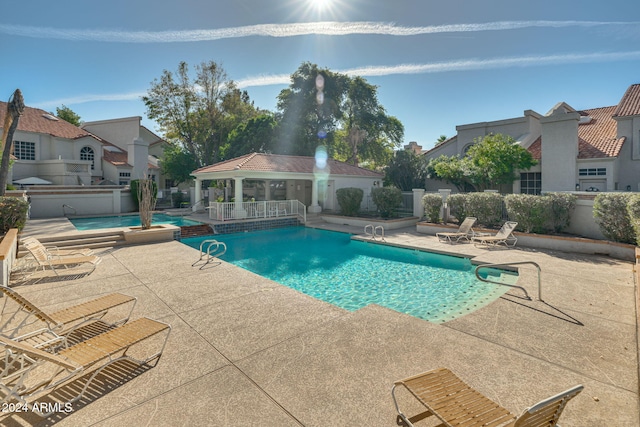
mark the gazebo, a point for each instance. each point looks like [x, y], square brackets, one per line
[282, 179]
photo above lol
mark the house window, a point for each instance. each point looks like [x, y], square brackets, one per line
[530, 182]
[125, 178]
[592, 172]
[86, 153]
[24, 150]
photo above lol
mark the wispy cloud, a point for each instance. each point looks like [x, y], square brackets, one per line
[287, 30]
[458, 65]
[376, 71]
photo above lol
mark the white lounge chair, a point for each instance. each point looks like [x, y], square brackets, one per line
[504, 236]
[464, 231]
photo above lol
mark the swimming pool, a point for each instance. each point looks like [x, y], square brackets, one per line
[127, 221]
[352, 274]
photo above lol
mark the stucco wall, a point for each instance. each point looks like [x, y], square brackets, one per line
[559, 151]
[48, 203]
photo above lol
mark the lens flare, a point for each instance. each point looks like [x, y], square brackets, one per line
[321, 157]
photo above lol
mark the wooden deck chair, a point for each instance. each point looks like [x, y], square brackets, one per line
[464, 231]
[29, 373]
[23, 324]
[457, 404]
[504, 236]
[54, 251]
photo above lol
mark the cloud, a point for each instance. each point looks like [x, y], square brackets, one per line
[458, 65]
[330, 28]
[376, 71]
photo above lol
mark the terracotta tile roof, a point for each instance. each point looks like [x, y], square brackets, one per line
[629, 105]
[597, 139]
[288, 164]
[35, 120]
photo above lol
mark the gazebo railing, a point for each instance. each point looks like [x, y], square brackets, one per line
[225, 211]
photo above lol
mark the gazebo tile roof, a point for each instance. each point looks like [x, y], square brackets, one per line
[261, 162]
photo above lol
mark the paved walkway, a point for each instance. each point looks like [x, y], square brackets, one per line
[245, 351]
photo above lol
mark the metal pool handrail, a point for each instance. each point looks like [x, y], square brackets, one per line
[509, 264]
[374, 231]
[217, 251]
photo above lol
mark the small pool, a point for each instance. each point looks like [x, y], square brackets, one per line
[127, 221]
[352, 274]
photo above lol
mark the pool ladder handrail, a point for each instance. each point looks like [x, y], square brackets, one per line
[374, 231]
[509, 264]
[64, 212]
[210, 256]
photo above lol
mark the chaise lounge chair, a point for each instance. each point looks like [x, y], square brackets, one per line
[54, 251]
[464, 232]
[45, 260]
[457, 404]
[504, 236]
[21, 325]
[28, 374]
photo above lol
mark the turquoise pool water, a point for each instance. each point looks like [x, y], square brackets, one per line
[352, 274]
[127, 221]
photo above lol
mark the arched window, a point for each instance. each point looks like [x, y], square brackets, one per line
[466, 148]
[86, 153]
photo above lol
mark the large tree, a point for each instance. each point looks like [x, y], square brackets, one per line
[255, 135]
[322, 107]
[177, 163]
[490, 162]
[198, 113]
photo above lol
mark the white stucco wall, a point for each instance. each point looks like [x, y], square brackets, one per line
[119, 132]
[559, 150]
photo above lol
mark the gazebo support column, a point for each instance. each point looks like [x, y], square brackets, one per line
[315, 207]
[240, 212]
[197, 195]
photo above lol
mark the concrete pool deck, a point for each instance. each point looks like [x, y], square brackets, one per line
[247, 351]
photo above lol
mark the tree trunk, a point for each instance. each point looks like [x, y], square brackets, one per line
[15, 108]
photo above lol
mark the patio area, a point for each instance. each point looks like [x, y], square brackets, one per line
[246, 351]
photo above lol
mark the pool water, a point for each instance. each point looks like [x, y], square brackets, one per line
[352, 274]
[127, 221]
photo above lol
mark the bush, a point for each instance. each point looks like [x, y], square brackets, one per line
[612, 215]
[387, 200]
[562, 205]
[349, 200]
[457, 206]
[176, 199]
[13, 213]
[532, 213]
[487, 207]
[432, 204]
[633, 207]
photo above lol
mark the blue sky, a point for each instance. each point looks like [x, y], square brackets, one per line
[437, 64]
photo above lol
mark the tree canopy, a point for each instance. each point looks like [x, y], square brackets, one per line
[68, 115]
[490, 162]
[322, 107]
[199, 112]
[406, 171]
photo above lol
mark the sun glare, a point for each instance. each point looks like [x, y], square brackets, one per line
[321, 4]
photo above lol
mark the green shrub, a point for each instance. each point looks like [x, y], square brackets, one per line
[612, 215]
[562, 206]
[432, 204]
[633, 208]
[387, 200]
[176, 199]
[349, 200]
[487, 207]
[13, 213]
[532, 213]
[457, 206]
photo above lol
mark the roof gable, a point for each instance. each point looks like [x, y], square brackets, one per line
[261, 162]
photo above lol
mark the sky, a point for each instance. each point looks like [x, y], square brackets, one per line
[437, 64]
